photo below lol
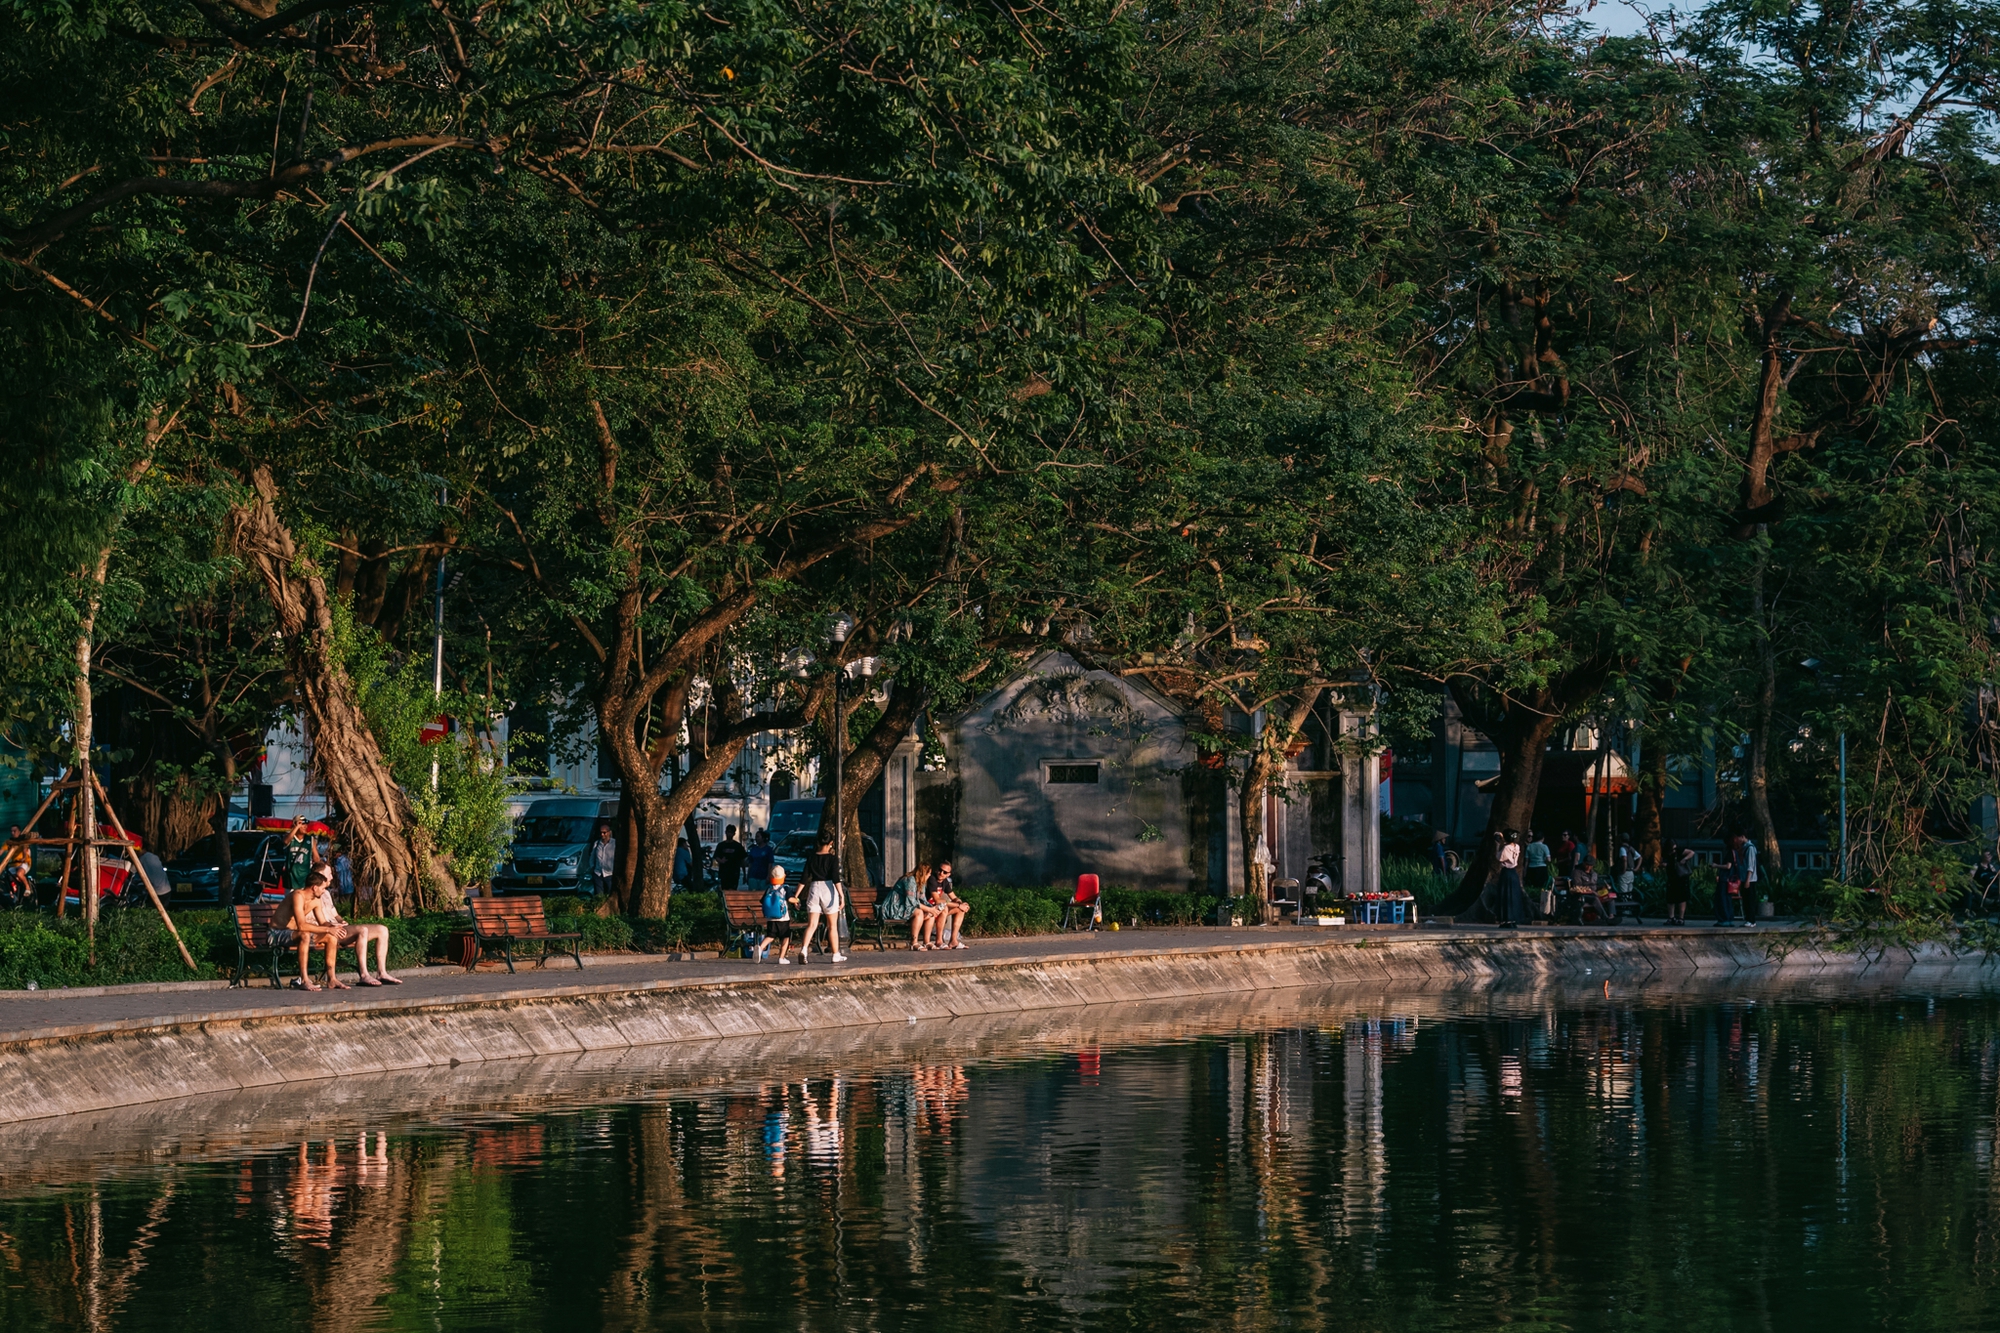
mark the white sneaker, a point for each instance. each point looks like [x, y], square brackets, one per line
[784, 962]
[840, 958]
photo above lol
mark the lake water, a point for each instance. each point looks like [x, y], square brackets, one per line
[1565, 1160]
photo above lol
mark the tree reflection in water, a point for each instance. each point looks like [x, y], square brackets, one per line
[1678, 1165]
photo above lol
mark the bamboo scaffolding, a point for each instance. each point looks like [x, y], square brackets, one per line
[70, 842]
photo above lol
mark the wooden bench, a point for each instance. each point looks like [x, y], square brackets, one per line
[865, 917]
[501, 923]
[743, 913]
[253, 936]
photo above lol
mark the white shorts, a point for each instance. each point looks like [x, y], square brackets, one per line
[820, 895]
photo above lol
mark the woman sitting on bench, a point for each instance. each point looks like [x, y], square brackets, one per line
[903, 902]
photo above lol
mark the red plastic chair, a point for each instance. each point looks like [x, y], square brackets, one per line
[1087, 905]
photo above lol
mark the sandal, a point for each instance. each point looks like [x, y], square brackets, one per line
[368, 981]
[387, 980]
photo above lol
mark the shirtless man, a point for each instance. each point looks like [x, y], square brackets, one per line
[298, 919]
[324, 914]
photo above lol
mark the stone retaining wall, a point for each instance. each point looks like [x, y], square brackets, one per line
[56, 1071]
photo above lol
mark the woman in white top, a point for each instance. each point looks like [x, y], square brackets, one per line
[1513, 904]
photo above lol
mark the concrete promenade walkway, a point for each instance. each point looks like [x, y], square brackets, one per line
[56, 1014]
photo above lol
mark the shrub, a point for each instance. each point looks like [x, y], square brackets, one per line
[1013, 911]
[1416, 878]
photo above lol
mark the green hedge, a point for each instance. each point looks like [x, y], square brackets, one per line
[1038, 909]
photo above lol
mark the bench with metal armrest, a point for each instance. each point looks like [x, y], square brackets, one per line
[498, 924]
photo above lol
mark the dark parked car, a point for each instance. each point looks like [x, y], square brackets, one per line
[256, 855]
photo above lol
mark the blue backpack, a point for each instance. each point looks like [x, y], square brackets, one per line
[775, 906]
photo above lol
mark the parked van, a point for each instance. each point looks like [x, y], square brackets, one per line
[551, 851]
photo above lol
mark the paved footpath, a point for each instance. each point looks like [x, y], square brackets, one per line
[31, 1015]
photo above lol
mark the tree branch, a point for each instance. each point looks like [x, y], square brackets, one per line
[50, 229]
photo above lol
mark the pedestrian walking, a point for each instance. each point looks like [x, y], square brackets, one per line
[603, 861]
[1440, 854]
[777, 918]
[822, 900]
[683, 863]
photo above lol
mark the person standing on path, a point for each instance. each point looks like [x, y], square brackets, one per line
[1440, 858]
[300, 854]
[1513, 906]
[603, 862]
[759, 859]
[343, 876]
[1535, 858]
[730, 857]
[1680, 882]
[1628, 868]
[1728, 885]
[683, 864]
[1746, 862]
[822, 900]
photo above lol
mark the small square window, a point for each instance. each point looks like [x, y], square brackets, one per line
[1072, 774]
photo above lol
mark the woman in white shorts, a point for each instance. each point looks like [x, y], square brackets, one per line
[822, 900]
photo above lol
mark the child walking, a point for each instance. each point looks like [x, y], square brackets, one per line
[777, 918]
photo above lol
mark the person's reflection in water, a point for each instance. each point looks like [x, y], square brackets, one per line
[776, 1127]
[941, 1090]
[822, 1129]
[314, 1194]
[372, 1167]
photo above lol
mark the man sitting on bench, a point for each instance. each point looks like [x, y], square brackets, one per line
[359, 937]
[297, 919]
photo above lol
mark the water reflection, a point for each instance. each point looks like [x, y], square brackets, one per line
[1421, 1162]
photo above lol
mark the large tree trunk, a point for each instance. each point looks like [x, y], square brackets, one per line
[1647, 831]
[225, 758]
[860, 767]
[1521, 732]
[388, 846]
[1760, 738]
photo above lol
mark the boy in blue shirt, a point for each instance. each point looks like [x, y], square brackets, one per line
[777, 918]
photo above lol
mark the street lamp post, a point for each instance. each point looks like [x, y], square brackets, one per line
[841, 628]
[437, 633]
[1812, 664]
[1843, 805]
